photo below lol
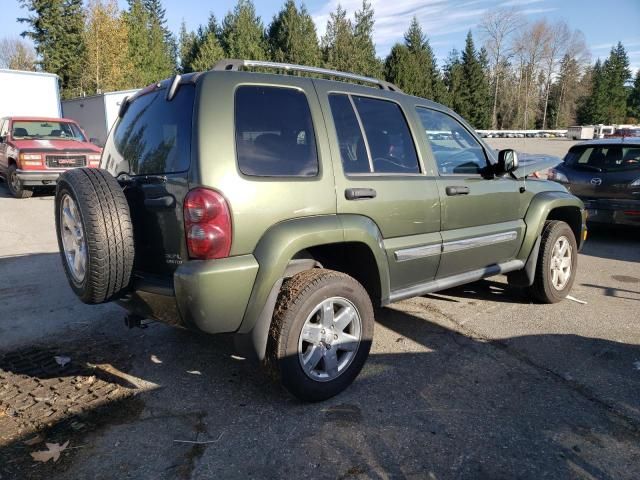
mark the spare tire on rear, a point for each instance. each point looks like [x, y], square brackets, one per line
[95, 234]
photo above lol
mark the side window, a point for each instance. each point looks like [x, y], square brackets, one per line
[353, 150]
[454, 148]
[385, 146]
[154, 136]
[390, 143]
[274, 132]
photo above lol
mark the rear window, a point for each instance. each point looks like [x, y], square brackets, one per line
[154, 136]
[605, 158]
[274, 132]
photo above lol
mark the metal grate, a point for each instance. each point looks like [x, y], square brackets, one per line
[66, 161]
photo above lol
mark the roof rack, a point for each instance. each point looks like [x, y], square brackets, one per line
[235, 65]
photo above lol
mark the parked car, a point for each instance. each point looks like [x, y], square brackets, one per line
[605, 174]
[34, 151]
[281, 208]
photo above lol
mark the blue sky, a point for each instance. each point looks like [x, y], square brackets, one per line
[444, 21]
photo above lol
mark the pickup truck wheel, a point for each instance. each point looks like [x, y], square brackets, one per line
[557, 263]
[321, 333]
[95, 235]
[15, 185]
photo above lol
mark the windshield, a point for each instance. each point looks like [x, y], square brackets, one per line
[605, 158]
[46, 130]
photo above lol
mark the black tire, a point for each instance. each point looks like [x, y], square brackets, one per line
[543, 289]
[108, 233]
[15, 185]
[299, 296]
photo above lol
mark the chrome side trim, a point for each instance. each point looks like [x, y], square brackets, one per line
[455, 280]
[417, 252]
[476, 242]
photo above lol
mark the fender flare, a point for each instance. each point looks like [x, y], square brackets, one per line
[275, 254]
[541, 205]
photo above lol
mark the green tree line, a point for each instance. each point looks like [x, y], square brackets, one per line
[519, 76]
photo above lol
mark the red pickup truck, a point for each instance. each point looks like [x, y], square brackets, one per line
[34, 151]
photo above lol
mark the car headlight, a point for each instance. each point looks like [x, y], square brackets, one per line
[636, 183]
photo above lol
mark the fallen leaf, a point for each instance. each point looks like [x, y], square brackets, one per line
[53, 452]
[194, 372]
[155, 359]
[62, 360]
[34, 440]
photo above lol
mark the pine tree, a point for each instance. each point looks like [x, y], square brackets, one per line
[186, 45]
[475, 95]
[592, 108]
[616, 74]
[151, 53]
[292, 36]
[56, 28]
[243, 33]
[413, 68]
[207, 49]
[338, 45]
[365, 50]
[633, 103]
[607, 101]
[453, 80]
[106, 64]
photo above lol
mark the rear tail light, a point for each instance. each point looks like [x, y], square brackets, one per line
[557, 176]
[207, 224]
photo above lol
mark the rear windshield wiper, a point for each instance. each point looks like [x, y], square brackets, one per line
[589, 167]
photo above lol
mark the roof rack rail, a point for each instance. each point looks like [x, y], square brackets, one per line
[234, 65]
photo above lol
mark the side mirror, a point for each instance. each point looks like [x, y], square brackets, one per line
[507, 162]
[95, 141]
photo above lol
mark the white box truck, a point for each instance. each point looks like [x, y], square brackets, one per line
[29, 94]
[96, 114]
[580, 133]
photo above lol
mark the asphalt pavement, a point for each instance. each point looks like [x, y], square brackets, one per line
[473, 382]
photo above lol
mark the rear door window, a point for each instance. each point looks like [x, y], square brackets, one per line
[154, 136]
[373, 138]
[274, 132]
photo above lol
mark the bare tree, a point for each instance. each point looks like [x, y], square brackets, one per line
[17, 54]
[554, 49]
[497, 26]
[531, 46]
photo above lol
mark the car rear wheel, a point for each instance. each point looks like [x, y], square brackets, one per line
[95, 235]
[321, 333]
[15, 184]
[557, 263]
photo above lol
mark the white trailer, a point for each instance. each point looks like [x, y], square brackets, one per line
[580, 133]
[96, 114]
[29, 94]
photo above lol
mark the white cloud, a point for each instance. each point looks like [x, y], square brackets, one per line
[437, 17]
[518, 3]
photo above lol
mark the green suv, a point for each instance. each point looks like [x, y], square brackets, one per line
[283, 208]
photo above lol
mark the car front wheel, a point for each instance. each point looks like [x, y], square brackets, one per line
[557, 263]
[321, 333]
[15, 184]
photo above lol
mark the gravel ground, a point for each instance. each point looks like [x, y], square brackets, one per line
[474, 382]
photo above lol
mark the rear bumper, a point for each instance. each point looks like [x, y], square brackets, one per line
[30, 178]
[206, 295]
[613, 212]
